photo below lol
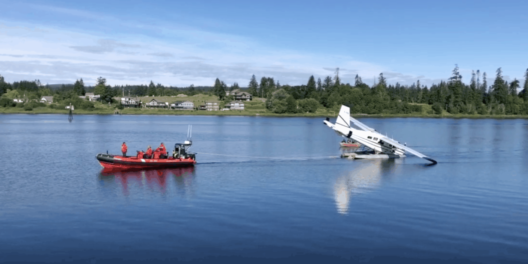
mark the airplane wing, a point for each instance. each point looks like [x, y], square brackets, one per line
[361, 125]
[407, 149]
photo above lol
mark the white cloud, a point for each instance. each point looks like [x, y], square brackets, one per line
[184, 56]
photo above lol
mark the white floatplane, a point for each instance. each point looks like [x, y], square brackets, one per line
[381, 146]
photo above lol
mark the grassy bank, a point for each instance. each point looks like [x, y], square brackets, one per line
[256, 107]
[249, 112]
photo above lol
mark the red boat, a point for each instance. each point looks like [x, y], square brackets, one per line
[349, 144]
[179, 158]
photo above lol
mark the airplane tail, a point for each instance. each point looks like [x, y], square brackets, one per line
[343, 118]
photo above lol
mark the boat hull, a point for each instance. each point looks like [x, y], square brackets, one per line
[115, 162]
[349, 145]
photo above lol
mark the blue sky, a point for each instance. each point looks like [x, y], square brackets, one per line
[193, 42]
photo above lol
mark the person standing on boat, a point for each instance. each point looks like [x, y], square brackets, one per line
[124, 149]
[149, 152]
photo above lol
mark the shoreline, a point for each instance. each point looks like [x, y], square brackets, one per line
[251, 113]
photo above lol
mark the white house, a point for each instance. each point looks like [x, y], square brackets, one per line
[236, 105]
[157, 104]
[18, 100]
[92, 97]
[211, 106]
[47, 99]
[183, 105]
[130, 102]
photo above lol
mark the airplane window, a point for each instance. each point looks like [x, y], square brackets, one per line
[369, 137]
[376, 139]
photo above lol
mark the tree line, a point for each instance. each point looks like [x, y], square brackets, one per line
[452, 96]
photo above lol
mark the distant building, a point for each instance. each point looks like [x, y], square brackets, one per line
[18, 100]
[240, 96]
[46, 99]
[182, 105]
[130, 102]
[157, 104]
[91, 97]
[235, 105]
[211, 106]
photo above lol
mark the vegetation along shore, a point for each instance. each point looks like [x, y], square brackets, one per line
[447, 99]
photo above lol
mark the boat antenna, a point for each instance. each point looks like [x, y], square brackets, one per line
[189, 133]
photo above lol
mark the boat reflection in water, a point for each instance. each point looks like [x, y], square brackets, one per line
[155, 179]
[364, 178]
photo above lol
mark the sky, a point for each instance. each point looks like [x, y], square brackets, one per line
[180, 43]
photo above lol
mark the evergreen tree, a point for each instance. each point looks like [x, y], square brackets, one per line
[310, 87]
[500, 88]
[358, 81]
[191, 90]
[234, 87]
[513, 87]
[270, 88]
[319, 85]
[99, 89]
[253, 86]
[83, 90]
[337, 80]
[78, 87]
[263, 86]
[151, 89]
[327, 83]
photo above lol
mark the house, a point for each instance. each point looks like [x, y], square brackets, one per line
[130, 102]
[46, 99]
[18, 101]
[211, 106]
[182, 105]
[240, 96]
[243, 96]
[91, 97]
[156, 104]
[236, 105]
[72, 107]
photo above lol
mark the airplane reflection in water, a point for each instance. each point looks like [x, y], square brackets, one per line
[367, 176]
[154, 179]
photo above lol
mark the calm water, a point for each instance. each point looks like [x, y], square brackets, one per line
[265, 189]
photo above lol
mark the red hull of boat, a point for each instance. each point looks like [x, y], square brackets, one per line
[350, 145]
[114, 162]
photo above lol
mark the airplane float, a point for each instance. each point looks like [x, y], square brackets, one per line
[382, 146]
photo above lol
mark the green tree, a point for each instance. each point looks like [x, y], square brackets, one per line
[253, 86]
[327, 83]
[219, 89]
[309, 105]
[100, 87]
[234, 87]
[151, 89]
[311, 87]
[500, 88]
[263, 86]
[319, 85]
[513, 87]
[78, 87]
[358, 81]
[337, 80]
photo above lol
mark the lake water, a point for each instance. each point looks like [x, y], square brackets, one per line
[264, 190]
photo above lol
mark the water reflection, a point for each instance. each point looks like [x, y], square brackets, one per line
[365, 177]
[155, 179]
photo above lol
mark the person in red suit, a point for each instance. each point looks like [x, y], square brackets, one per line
[124, 149]
[162, 150]
[149, 152]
